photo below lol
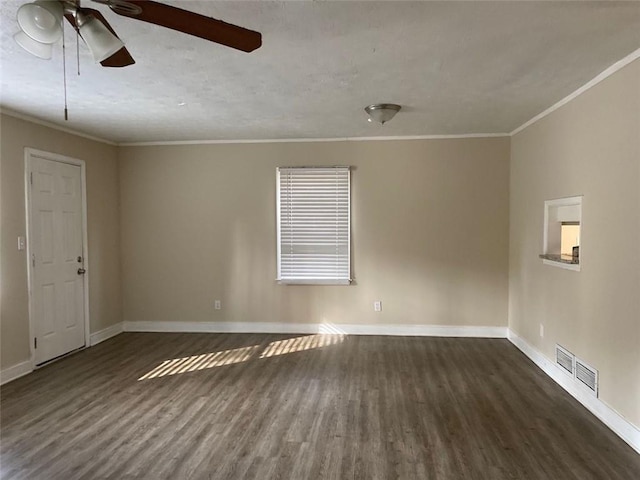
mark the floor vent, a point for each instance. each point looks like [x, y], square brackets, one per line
[565, 359]
[587, 376]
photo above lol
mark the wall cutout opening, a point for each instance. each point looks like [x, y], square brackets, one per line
[562, 232]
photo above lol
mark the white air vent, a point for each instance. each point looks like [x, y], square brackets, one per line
[587, 376]
[565, 359]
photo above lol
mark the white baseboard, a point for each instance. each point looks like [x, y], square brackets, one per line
[309, 328]
[106, 334]
[16, 371]
[612, 419]
[21, 369]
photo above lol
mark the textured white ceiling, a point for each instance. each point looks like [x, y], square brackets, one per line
[455, 67]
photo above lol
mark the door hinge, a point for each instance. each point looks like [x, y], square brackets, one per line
[35, 342]
[33, 260]
[31, 178]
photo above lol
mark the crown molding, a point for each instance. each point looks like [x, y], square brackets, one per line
[312, 140]
[55, 126]
[592, 83]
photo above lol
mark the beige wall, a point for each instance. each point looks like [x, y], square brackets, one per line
[103, 230]
[590, 147]
[429, 230]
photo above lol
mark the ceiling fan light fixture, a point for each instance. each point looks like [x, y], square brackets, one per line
[382, 112]
[98, 38]
[41, 20]
[40, 50]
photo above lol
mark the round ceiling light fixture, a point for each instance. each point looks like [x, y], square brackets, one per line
[382, 112]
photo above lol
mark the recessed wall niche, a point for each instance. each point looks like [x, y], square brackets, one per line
[562, 233]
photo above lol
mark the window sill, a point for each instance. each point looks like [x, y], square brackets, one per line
[314, 281]
[560, 261]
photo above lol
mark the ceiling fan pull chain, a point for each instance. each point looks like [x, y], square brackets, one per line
[64, 74]
[78, 48]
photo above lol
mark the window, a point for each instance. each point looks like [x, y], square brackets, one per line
[313, 208]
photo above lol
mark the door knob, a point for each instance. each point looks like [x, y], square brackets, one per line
[81, 271]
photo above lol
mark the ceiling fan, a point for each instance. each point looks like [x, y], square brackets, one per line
[41, 27]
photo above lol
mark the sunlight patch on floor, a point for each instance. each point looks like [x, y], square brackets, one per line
[201, 362]
[204, 361]
[300, 344]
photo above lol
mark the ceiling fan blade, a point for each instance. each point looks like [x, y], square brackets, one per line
[193, 24]
[122, 57]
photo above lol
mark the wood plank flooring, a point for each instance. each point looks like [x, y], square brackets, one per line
[232, 406]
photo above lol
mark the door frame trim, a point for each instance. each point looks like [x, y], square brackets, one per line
[29, 154]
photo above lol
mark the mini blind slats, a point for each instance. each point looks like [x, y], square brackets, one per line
[313, 225]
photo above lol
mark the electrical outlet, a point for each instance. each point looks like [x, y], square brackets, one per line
[541, 331]
[217, 305]
[377, 306]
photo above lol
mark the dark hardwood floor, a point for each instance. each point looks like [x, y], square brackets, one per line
[210, 406]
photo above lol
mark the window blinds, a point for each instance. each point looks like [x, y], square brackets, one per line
[314, 225]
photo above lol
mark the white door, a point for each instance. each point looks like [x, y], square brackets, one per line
[57, 263]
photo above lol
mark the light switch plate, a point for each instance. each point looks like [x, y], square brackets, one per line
[22, 243]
